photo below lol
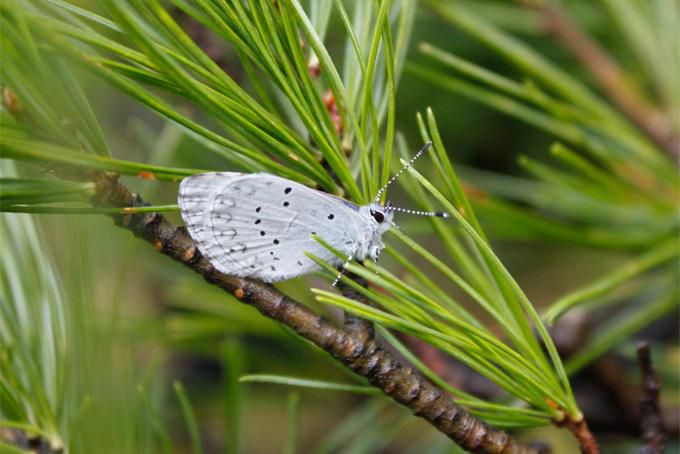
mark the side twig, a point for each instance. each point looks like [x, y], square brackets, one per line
[650, 412]
[586, 440]
[365, 357]
[611, 78]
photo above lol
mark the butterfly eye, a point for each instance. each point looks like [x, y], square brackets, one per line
[378, 216]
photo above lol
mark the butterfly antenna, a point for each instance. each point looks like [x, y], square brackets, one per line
[403, 169]
[439, 214]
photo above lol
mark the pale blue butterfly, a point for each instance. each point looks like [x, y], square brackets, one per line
[260, 225]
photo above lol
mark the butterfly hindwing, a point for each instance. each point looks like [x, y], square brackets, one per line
[260, 225]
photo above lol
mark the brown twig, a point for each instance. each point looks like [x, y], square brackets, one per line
[611, 78]
[650, 412]
[580, 431]
[365, 357]
[610, 401]
[607, 396]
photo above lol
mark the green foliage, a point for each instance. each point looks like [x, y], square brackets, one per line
[167, 59]
[619, 191]
[610, 188]
[313, 384]
[33, 335]
[55, 353]
[522, 370]
[190, 418]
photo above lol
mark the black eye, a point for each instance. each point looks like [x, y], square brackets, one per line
[378, 216]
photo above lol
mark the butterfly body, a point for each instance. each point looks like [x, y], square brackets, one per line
[261, 225]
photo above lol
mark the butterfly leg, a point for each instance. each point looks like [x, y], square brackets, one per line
[375, 260]
[342, 270]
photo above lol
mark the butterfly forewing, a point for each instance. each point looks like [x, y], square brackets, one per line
[260, 225]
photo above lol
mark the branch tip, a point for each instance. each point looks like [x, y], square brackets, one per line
[651, 419]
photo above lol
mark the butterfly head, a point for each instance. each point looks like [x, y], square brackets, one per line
[382, 216]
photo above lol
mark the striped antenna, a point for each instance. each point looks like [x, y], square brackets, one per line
[396, 175]
[439, 214]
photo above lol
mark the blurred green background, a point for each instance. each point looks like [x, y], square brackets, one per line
[149, 356]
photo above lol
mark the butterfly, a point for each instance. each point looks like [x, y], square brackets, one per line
[262, 226]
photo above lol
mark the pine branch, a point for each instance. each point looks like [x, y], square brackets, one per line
[362, 355]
